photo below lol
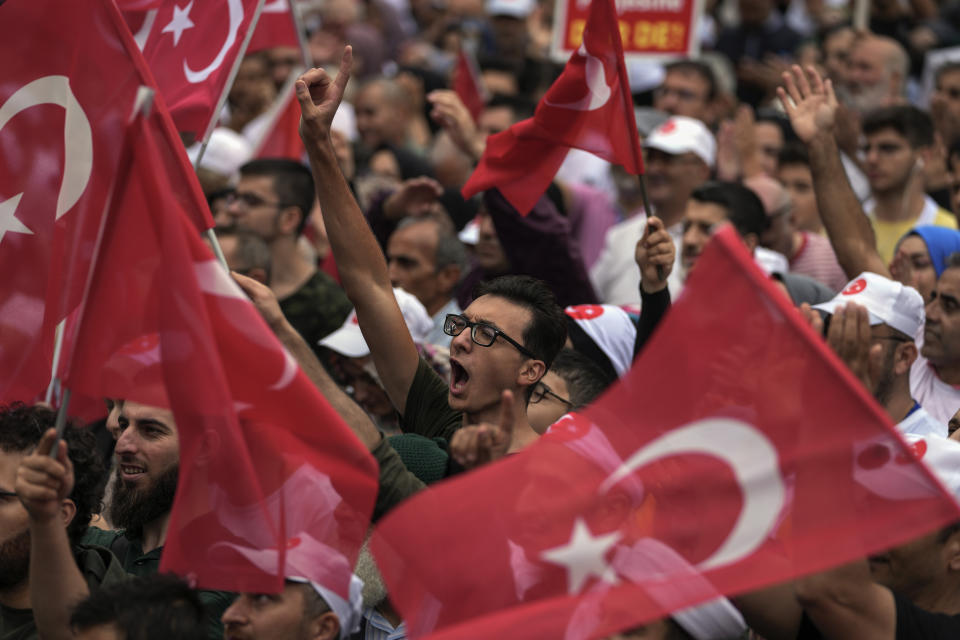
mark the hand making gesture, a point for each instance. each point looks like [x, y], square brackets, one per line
[809, 101]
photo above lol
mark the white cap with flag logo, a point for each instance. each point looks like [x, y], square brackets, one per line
[348, 339]
[887, 302]
[680, 134]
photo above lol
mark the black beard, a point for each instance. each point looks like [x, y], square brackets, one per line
[15, 561]
[132, 508]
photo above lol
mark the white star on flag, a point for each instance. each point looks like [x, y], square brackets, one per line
[180, 23]
[8, 221]
[583, 556]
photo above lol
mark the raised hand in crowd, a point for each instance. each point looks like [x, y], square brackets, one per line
[850, 338]
[319, 97]
[450, 113]
[416, 197]
[809, 101]
[654, 254]
[479, 444]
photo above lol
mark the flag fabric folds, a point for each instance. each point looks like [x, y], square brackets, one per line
[266, 465]
[467, 85]
[275, 28]
[588, 107]
[191, 51]
[719, 464]
[61, 132]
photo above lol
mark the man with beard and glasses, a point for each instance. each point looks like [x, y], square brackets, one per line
[147, 463]
[895, 314]
[25, 525]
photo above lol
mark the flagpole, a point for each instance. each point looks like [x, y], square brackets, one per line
[276, 109]
[215, 116]
[301, 33]
[143, 105]
[57, 347]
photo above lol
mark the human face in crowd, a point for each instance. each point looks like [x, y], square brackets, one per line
[147, 445]
[489, 252]
[495, 119]
[889, 161]
[955, 183]
[377, 120]
[798, 182]
[684, 93]
[912, 266]
[280, 62]
[256, 207]
[914, 569]
[276, 616]
[836, 54]
[941, 334]
[769, 140]
[672, 178]
[699, 222]
[358, 376]
[553, 402]
[411, 260]
[868, 76]
[478, 375]
[948, 91]
[14, 526]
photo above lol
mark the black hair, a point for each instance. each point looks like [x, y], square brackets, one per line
[158, 607]
[522, 108]
[292, 181]
[793, 153]
[702, 69]
[744, 209]
[779, 120]
[22, 427]
[585, 380]
[547, 331]
[913, 124]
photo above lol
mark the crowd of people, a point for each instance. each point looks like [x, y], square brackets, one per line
[450, 333]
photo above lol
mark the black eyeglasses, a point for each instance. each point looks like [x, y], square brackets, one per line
[480, 332]
[542, 390]
[7, 494]
[249, 200]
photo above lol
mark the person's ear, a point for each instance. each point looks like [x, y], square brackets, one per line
[288, 220]
[906, 354]
[531, 372]
[68, 509]
[752, 241]
[448, 277]
[326, 626]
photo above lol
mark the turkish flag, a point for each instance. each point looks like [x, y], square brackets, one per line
[281, 139]
[588, 107]
[192, 50]
[266, 465]
[61, 131]
[275, 28]
[738, 452]
[467, 85]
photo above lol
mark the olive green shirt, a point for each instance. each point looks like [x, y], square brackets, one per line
[137, 563]
[98, 566]
[316, 309]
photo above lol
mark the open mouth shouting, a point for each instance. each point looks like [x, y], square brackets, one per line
[130, 471]
[458, 378]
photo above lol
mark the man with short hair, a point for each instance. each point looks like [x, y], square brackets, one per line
[689, 89]
[876, 74]
[502, 343]
[246, 253]
[24, 526]
[572, 383]
[945, 102]
[425, 258]
[384, 109]
[898, 139]
[160, 607]
[680, 154]
[273, 199]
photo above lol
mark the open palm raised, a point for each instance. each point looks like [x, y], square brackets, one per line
[809, 101]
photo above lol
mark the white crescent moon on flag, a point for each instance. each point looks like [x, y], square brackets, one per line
[140, 37]
[598, 90]
[289, 372]
[77, 135]
[754, 462]
[236, 19]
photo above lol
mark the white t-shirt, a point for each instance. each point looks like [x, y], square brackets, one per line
[941, 400]
[921, 423]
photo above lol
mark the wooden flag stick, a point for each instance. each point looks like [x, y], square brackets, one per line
[648, 211]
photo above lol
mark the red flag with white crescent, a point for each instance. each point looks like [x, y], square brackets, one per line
[275, 28]
[719, 464]
[191, 47]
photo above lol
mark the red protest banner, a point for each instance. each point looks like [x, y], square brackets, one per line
[648, 28]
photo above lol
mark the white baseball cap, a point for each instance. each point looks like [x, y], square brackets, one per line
[348, 339]
[887, 302]
[680, 134]
[512, 8]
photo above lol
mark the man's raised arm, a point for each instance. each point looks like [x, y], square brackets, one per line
[362, 267]
[812, 107]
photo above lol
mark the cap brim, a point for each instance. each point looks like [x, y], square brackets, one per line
[831, 305]
[347, 341]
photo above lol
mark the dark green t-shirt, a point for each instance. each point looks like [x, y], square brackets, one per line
[135, 562]
[98, 567]
[316, 309]
[427, 412]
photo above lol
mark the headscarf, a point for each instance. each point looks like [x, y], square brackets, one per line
[940, 241]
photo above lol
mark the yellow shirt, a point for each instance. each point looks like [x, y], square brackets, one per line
[889, 233]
